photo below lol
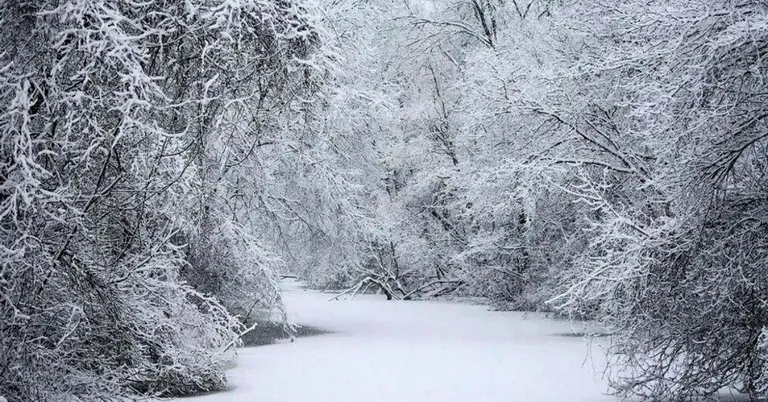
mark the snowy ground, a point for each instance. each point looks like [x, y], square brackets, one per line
[416, 351]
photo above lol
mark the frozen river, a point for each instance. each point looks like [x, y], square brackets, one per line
[419, 351]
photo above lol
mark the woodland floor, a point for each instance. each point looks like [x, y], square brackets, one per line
[370, 349]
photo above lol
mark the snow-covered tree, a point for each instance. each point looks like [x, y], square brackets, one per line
[676, 263]
[121, 128]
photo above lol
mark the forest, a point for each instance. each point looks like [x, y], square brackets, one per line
[163, 163]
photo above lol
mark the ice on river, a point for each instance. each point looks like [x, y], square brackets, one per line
[418, 351]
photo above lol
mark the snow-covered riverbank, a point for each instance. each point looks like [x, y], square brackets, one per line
[420, 351]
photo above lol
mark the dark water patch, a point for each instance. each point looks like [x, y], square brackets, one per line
[267, 333]
[196, 395]
[582, 334]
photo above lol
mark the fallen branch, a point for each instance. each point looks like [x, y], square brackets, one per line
[408, 295]
[353, 289]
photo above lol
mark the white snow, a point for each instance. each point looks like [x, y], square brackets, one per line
[416, 351]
